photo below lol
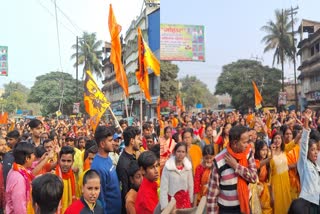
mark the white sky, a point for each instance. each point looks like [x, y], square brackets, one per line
[28, 28]
[232, 31]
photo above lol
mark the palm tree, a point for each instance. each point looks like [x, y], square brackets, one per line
[279, 38]
[89, 54]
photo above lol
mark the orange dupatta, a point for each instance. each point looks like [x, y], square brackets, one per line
[66, 176]
[28, 178]
[242, 187]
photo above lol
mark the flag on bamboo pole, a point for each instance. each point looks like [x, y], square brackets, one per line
[146, 59]
[158, 109]
[179, 103]
[257, 96]
[94, 100]
[116, 52]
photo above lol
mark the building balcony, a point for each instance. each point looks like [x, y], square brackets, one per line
[315, 86]
[310, 61]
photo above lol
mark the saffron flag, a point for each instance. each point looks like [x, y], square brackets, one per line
[4, 117]
[94, 100]
[179, 103]
[257, 96]
[146, 59]
[116, 52]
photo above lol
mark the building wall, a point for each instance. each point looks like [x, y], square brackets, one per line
[310, 70]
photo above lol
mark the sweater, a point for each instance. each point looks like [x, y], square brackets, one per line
[110, 195]
[173, 180]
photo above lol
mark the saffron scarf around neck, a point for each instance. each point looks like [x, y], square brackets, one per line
[66, 176]
[242, 186]
[28, 178]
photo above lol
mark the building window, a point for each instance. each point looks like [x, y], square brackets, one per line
[317, 48]
[312, 51]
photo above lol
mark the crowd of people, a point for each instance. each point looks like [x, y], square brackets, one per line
[257, 162]
[58, 166]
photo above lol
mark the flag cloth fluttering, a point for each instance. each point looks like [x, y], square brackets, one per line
[116, 52]
[94, 100]
[146, 59]
[4, 117]
[257, 96]
[179, 103]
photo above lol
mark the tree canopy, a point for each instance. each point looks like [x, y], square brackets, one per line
[279, 39]
[236, 80]
[15, 98]
[89, 54]
[51, 88]
[169, 82]
[195, 91]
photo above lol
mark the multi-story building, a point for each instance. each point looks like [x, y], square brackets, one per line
[309, 52]
[149, 22]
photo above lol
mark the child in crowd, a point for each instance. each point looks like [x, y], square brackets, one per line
[261, 154]
[202, 175]
[135, 176]
[177, 179]
[149, 165]
[46, 193]
[89, 202]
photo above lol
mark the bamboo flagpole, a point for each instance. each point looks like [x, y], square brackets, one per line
[115, 119]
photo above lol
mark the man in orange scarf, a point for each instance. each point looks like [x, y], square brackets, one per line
[64, 171]
[233, 168]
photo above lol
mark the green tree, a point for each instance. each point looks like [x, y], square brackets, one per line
[279, 39]
[12, 87]
[51, 89]
[195, 91]
[89, 54]
[236, 80]
[169, 82]
[15, 97]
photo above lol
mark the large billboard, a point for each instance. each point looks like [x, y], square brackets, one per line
[182, 42]
[3, 61]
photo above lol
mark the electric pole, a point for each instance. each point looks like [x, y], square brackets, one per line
[77, 86]
[293, 11]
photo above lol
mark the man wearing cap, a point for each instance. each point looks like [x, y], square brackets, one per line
[12, 138]
[114, 155]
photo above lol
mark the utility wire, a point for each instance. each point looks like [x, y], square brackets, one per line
[67, 17]
[48, 11]
[57, 26]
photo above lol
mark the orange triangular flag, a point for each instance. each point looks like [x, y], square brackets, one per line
[257, 96]
[115, 55]
[142, 71]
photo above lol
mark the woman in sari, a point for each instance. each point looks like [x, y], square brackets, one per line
[167, 145]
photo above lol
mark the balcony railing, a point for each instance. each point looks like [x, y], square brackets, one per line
[315, 86]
